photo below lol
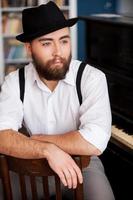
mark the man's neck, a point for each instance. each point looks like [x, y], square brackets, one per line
[50, 84]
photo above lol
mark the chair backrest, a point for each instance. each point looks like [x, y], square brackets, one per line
[33, 168]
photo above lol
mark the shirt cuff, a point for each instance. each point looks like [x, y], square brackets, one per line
[97, 137]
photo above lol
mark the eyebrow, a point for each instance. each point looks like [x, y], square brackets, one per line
[65, 37]
[51, 39]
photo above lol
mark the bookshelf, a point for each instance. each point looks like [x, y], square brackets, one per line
[12, 52]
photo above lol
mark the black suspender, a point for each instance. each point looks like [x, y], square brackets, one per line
[78, 82]
[22, 83]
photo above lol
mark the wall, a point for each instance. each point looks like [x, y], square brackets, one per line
[87, 7]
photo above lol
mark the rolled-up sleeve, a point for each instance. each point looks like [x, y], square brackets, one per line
[11, 108]
[95, 114]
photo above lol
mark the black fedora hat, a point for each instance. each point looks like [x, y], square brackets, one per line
[41, 20]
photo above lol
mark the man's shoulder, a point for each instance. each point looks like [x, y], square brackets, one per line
[74, 66]
[12, 76]
[89, 70]
[94, 71]
[12, 79]
[14, 73]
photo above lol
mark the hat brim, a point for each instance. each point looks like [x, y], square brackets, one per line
[28, 37]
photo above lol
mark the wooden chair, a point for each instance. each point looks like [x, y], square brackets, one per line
[34, 168]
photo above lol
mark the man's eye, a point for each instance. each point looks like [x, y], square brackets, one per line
[64, 41]
[46, 44]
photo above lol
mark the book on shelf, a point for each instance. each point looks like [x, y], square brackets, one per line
[17, 3]
[11, 23]
[4, 3]
[17, 52]
[7, 45]
[14, 49]
[61, 2]
[32, 3]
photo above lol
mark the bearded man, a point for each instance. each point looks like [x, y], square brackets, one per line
[56, 122]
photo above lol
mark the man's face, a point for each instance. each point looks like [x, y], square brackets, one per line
[51, 54]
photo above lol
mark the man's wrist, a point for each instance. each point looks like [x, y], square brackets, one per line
[47, 150]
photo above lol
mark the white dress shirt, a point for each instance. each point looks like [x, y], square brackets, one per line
[57, 112]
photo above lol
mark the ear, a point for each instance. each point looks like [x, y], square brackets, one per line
[28, 48]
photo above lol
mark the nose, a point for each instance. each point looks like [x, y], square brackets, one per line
[57, 49]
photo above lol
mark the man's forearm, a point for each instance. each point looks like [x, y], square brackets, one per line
[72, 143]
[17, 145]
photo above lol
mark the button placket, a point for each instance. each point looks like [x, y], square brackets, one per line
[51, 118]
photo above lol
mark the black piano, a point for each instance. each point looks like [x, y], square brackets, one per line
[109, 47]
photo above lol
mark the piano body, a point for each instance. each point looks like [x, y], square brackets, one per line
[109, 47]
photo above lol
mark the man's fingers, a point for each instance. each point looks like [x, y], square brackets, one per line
[69, 178]
[62, 178]
[72, 174]
[79, 174]
[73, 177]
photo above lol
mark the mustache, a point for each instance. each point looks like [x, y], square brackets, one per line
[57, 58]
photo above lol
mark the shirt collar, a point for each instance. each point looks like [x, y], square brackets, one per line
[69, 78]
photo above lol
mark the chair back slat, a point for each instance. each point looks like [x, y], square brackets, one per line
[22, 186]
[33, 188]
[58, 188]
[78, 193]
[46, 187]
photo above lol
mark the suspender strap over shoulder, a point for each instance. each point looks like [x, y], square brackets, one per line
[78, 81]
[22, 83]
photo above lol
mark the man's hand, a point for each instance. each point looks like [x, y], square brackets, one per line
[66, 168]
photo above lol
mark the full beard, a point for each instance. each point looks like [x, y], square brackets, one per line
[52, 70]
